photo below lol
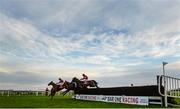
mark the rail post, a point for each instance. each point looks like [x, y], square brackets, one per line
[36, 93]
[8, 93]
[165, 91]
[2, 93]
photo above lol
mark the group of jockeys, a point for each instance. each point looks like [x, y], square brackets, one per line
[61, 81]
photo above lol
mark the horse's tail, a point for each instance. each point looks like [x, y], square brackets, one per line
[95, 83]
[75, 84]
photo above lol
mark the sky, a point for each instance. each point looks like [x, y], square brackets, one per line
[115, 42]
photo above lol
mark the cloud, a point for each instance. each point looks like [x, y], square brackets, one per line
[65, 18]
[104, 39]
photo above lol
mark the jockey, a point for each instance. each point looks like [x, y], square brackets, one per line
[60, 83]
[85, 78]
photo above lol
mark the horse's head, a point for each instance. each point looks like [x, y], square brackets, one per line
[51, 83]
[75, 79]
[66, 84]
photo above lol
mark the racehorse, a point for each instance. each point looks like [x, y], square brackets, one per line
[78, 84]
[56, 88]
[72, 86]
[90, 83]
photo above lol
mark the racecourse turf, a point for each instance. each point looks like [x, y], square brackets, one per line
[57, 102]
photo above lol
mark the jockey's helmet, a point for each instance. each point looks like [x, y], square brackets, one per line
[60, 79]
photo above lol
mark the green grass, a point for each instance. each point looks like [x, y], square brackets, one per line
[57, 102]
[177, 100]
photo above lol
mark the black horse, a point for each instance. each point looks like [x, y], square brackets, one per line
[78, 84]
[73, 86]
[89, 83]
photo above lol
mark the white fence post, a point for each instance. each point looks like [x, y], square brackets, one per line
[36, 93]
[172, 88]
[8, 93]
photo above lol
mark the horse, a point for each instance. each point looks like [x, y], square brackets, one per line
[90, 83]
[71, 86]
[78, 84]
[55, 88]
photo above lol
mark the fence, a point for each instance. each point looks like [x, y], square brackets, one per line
[140, 95]
[29, 93]
[20, 92]
[171, 86]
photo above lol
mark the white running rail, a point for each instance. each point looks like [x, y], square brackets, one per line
[172, 86]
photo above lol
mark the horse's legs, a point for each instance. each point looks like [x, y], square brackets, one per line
[95, 84]
[64, 93]
[52, 94]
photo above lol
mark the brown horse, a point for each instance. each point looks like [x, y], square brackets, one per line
[56, 88]
[77, 84]
[89, 83]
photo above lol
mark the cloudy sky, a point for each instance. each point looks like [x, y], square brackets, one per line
[116, 42]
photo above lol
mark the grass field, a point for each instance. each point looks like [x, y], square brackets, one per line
[57, 102]
[177, 101]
